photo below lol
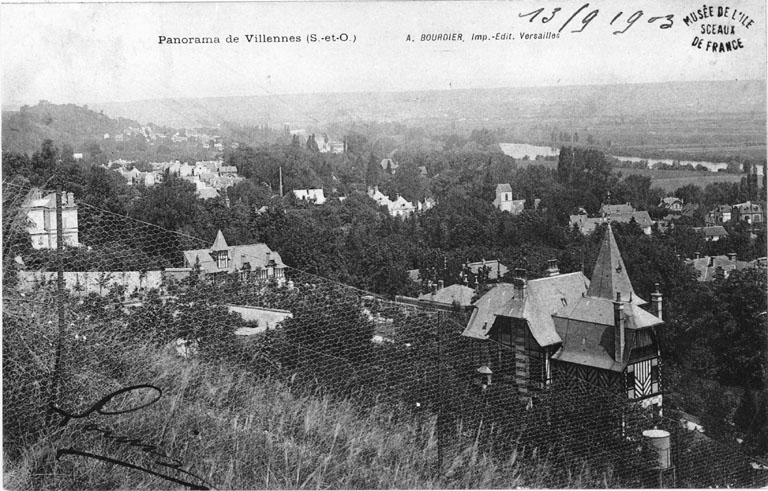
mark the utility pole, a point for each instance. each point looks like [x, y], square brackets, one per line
[53, 394]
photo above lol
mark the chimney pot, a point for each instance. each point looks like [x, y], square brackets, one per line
[656, 301]
[552, 268]
[520, 282]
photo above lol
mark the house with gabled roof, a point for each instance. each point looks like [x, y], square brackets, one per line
[719, 215]
[712, 233]
[315, 196]
[450, 295]
[671, 203]
[587, 225]
[519, 316]
[749, 212]
[41, 217]
[565, 324]
[607, 338]
[493, 268]
[710, 267]
[253, 261]
[616, 209]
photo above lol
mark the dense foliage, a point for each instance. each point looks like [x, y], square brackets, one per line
[715, 331]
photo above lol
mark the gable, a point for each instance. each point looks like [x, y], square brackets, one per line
[543, 298]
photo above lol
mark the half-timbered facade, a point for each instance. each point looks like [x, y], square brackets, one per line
[570, 327]
[517, 320]
[608, 339]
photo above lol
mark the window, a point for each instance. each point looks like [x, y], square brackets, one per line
[223, 260]
[655, 375]
[630, 386]
[506, 338]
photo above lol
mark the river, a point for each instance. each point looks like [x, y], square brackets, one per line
[520, 150]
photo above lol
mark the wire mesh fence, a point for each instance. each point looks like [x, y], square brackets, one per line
[134, 356]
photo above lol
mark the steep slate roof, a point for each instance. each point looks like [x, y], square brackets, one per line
[219, 244]
[600, 311]
[587, 225]
[616, 209]
[712, 231]
[503, 188]
[610, 275]
[455, 293]
[588, 333]
[544, 297]
[670, 200]
[587, 326]
[253, 254]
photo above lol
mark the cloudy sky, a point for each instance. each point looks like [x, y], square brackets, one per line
[80, 52]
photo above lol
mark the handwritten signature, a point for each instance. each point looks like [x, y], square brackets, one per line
[101, 407]
[589, 16]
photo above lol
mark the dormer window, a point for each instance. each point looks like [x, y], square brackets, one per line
[223, 260]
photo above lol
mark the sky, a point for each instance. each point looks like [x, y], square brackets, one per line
[107, 52]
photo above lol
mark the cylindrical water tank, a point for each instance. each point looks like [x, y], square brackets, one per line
[659, 440]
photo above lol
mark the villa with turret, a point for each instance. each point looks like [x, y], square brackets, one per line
[566, 325]
[255, 261]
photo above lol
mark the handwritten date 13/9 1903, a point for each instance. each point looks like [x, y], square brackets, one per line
[621, 21]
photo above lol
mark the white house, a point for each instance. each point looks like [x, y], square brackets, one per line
[41, 212]
[315, 196]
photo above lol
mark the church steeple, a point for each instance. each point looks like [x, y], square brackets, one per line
[610, 275]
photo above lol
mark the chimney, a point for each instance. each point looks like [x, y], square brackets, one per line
[521, 283]
[618, 326]
[711, 261]
[732, 256]
[440, 285]
[656, 301]
[70, 199]
[552, 269]
[696, 255]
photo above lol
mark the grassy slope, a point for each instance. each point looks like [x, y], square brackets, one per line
[240, 432]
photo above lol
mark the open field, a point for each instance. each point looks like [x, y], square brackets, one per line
[669, 180]
[670, 185]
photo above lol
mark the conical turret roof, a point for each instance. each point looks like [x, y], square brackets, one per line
[610, 275]
[219, 244]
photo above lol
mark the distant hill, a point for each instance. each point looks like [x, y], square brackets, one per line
[510, 104]
[25, 130]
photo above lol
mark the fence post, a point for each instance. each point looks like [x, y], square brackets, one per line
[439, 397]
[53, 394]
